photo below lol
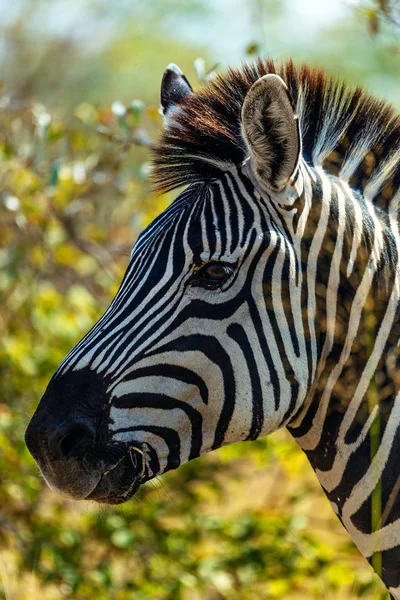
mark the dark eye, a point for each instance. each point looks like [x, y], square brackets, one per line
[216, 271]
[212, 275]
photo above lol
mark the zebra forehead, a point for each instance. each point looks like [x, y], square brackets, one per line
[346, 130]
[201, 210]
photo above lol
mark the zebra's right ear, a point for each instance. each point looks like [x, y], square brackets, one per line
[270, 128]
[174, 87]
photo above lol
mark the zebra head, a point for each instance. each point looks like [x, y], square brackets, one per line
[187, 357]
[267, 294]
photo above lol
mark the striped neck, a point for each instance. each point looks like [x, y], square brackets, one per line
[348, 424]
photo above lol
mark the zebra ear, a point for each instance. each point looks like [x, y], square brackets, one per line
[174, 87]
[271, 131]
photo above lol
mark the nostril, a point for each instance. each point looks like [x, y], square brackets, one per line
[73, 441]
[70, 440]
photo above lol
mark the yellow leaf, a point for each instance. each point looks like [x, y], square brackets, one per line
[66, 255]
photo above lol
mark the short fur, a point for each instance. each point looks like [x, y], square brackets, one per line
[346, 130]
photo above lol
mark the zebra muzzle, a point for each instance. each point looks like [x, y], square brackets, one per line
[120, 482]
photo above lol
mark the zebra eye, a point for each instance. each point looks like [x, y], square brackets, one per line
[212, 275]
[217, 271]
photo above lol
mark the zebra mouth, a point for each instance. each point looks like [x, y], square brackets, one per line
[121, 482]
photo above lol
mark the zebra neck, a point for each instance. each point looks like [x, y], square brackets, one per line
[351, 436]
[349, 424]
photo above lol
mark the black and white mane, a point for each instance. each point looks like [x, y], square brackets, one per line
[344, 130]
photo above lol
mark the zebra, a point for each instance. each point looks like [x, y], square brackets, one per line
[265, 296]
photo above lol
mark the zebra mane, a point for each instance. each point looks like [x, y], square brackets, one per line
[346, 131]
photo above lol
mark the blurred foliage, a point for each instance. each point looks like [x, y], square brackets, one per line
[376, 12]
[106, 52]
[243, 523]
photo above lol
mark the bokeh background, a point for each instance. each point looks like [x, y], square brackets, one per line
[78, 114]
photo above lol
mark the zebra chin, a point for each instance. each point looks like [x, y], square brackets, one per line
[122, 481]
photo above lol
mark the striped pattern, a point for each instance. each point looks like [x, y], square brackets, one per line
[305, 331]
